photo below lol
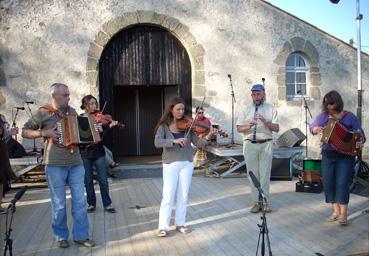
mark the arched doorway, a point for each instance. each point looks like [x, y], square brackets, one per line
[140, 68]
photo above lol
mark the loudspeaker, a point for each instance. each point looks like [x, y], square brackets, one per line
[281, 169]
[291, 138]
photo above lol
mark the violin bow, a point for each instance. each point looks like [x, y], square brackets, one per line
[193, 120]
[102, 110]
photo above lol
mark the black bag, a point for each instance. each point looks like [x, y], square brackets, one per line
[15, 149]
[360, 180]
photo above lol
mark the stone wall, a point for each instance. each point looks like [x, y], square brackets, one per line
[61, 41]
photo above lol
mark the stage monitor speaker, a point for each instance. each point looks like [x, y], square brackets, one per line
[281, 169]
[291, 138]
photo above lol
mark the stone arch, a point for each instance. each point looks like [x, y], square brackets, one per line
[2, 82]
[298, 44]
[195, 51]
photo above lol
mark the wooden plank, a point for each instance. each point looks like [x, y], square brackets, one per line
[135, 230]
[218, 211]
[122, 235]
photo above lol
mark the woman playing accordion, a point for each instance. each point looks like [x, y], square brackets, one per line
[337, 162]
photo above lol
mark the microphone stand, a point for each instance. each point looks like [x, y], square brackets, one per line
[34, 140]
[233, 101]
[14, 123]
[306, 122]
[8, 229]
[263, 227]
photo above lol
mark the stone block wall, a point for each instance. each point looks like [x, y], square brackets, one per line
[43, 42]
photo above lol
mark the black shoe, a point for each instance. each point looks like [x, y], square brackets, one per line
[110, 209]
[91, 208]
[86, 243]
[63, 244]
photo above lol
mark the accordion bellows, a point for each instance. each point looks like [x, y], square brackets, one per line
[76, 130]
[341, 139]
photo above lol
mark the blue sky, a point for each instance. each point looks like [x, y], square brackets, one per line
[336, 19]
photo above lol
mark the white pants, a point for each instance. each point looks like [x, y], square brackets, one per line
[175, 175]
[258, 159]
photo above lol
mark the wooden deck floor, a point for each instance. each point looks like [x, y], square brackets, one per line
[218, 213]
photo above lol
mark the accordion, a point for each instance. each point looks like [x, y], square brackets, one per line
[76, 130]
[341, 139]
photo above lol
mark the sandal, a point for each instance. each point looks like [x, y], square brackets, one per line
[183, 229]
[91, 208]
[162, 233]
[333, 217]
[113, 164]
[110, 209]
[342, 221]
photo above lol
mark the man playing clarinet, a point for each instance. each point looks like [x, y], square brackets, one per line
[256, 122]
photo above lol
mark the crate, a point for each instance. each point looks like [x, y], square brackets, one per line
[315, 187]
[313, 165]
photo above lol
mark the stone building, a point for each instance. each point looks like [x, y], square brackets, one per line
[134, 55]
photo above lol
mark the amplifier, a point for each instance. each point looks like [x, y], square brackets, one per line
[291, 138]
[281, 169]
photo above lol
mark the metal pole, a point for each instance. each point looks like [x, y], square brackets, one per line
[359, 17]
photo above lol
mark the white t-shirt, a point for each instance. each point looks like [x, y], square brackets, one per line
[247, 114]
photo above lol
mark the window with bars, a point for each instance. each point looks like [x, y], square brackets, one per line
[297, 71]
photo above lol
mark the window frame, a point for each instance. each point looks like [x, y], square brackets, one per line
[296, 70]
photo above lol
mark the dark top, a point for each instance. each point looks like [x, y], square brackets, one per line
[178, 135]
[6, 172]
[93, 151]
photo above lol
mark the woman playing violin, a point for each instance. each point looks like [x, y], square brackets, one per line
[94, 155]
[178, 165]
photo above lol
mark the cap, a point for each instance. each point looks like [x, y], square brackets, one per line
[257, 88]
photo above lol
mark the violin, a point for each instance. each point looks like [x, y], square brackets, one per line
[199, 127]
[105, 119]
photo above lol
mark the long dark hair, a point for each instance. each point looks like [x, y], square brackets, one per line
[332, 97]
[85, 100]
[167, 116]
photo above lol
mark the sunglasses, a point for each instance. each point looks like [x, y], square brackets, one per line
[200, 112]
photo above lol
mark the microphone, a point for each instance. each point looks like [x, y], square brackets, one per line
[229, 75]
[256, 183]
[18, 196]
[29, 102]
[20, 108]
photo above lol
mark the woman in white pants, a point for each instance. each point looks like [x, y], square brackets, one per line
[177, 160]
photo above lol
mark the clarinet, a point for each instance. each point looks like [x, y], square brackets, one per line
[255, 126]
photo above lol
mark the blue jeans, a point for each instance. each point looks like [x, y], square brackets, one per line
[57, 178]
[102, 178]
[337, 175]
